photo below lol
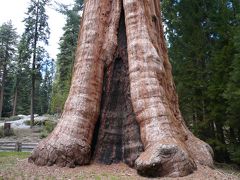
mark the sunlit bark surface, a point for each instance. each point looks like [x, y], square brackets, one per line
[122, 104]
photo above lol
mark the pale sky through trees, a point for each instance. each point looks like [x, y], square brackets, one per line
[14, 10]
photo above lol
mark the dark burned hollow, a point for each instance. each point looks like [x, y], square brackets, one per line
[117, 136]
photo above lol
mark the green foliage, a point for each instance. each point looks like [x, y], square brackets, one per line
[37, 33]
[59, 96]
[48, 128]
[49, 125]
[36, 123]
[26, 65]
[36, 25]
[13, 118]
[235, 156]
[33, 64]
[22, 75]
[29, 66]
[8, 41]
[65, 59]
[44, 84]
[204, 49]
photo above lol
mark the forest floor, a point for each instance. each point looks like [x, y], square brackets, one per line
[14, 165]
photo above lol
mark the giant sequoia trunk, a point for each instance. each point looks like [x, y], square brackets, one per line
[122, 104]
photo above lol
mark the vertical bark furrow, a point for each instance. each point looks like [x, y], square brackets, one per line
[110, 143]
[110, 40]
[154, 115]
[199, 150]
[118, 136]
[69, 143]
[139, 50]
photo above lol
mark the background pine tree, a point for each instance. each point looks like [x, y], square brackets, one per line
[204, 50]
[8, 42]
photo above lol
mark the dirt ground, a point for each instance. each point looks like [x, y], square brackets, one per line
[24, 135]
[24, 170]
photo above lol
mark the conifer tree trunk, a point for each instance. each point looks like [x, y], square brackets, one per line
[4, 73]
[122, 104]
[15, 97]
[2, 88]
[33, 75]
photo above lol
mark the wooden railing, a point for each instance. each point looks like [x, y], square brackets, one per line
[16, 146]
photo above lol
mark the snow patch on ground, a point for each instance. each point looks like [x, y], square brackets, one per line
[19, 124]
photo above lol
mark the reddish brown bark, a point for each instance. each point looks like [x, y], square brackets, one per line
[118, 132]
[123, 88]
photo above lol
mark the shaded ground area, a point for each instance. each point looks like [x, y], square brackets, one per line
[15, 166]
